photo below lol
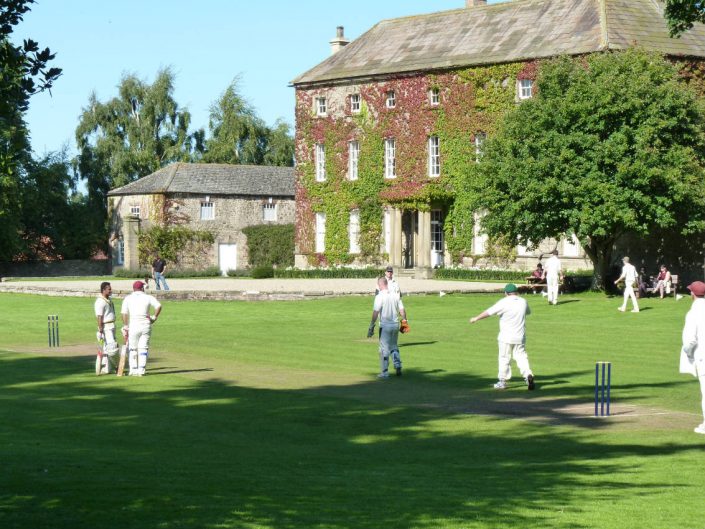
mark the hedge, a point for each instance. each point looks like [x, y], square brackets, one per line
[270, 245]
[212, 271]
[330, 273]
[481, 275]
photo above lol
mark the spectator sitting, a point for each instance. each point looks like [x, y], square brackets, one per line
[536, 277]
[663, 282]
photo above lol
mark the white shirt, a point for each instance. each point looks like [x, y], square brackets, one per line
[512, 312]
[137, 305]
[629, 273]
[388, 304]
[104, 307]
[694, 333]
[393, 286]
[552, 266]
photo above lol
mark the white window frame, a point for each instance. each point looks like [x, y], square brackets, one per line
[353, 159]
[391, 99]
[480, 138]
[390, 149]
[434, 156]
[320, 232]
[354, 231]
[320, 162]
[355, 103]
[207, 210]
[135, 210]
[269, 211]
[321, 106]
[525, 89]
[434, 96]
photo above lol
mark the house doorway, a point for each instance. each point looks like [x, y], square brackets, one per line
[437, 250]
[409, 225]
[227, 258]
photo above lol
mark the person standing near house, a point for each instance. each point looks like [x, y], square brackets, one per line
[105, 315]
[554, 274]
[158, 271]
[136, 316]
[629, 275]
[512, 311]
[694, 341]
[388, 307]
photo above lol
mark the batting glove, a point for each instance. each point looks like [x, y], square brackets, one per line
[371, 330]
[100, 336]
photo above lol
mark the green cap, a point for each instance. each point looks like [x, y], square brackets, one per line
[511, 287]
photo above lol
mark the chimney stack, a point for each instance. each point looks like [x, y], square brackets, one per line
[339, 42]
[475, 3]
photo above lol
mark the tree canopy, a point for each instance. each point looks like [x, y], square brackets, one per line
[612, 143]
[25, 72]
[239, 136]
[681, 14]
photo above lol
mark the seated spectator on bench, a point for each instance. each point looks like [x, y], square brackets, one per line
[663, 282]
[644, 281]
[537, 276]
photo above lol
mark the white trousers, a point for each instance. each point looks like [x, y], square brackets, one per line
[552, 288]
[629, 293]
[139, 349]
[110, 349]
[506, 352]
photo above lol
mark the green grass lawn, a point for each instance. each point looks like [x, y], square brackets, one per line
[268, 415]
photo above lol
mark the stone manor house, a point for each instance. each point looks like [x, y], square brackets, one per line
[388, 125]
[219, 198]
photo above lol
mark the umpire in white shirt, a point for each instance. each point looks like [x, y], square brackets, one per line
[387, 307]
[136, 314]
[512, 311]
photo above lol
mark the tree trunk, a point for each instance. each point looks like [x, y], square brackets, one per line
[600, 253]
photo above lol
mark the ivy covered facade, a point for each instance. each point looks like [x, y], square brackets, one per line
[389, 129]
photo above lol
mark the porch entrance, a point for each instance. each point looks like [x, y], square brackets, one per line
[409, 231]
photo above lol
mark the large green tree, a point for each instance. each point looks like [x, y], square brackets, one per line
[130, 136]
[681, 14]
[612, 143]
[24, 71]
[239, 136]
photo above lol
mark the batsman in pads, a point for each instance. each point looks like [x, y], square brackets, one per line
[106, 360]
[512, 311]
[388, 307]
[136, 316]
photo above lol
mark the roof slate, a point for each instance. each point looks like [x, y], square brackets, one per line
[504, 32]
[214, 179]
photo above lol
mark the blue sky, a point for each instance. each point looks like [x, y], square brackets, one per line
[207, 44]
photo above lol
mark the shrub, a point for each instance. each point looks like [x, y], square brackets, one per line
[240, 272]
[330, 273]
[262, 272]
[480, 275]
[270, 245]
[213, 271]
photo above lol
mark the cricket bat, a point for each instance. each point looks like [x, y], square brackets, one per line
[121, 364]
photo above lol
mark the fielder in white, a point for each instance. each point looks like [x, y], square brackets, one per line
[136, 315]
[629, 275]
[554, 273]
[387, 307]
[512, 311]
[105, 315]
[694, 342]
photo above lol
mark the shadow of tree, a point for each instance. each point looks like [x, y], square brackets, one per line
[83, 451]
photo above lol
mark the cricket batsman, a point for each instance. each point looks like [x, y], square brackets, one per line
[136, 316]
[105, 315]
[512, 311]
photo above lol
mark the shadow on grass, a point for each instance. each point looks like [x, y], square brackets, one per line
[193, 454]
